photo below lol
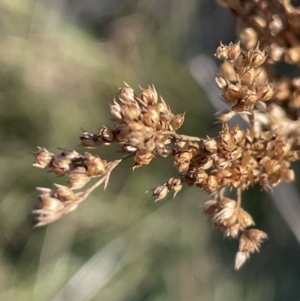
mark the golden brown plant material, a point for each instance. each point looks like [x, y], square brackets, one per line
[145, 127]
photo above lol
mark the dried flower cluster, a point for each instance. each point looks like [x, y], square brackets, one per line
[145, 127]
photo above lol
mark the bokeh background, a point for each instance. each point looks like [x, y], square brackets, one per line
[61, 64]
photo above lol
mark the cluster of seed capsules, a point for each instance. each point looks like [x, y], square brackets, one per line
[143, 125]
[275, 24]
[79, 169]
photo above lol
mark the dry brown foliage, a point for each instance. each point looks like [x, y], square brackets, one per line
[145, 127]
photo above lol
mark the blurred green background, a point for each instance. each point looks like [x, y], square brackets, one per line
[61, 64]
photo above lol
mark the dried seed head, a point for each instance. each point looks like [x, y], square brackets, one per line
[142, 157]
[90, 140]
[177, 121]
[61, 165]
[94, 165]
[256, 57]
[78, 178]
[265, 92]
[175, 185]
[160, 192]
[232, 92]
[64, 194]
[126, 94]
[233, 51]
[222, 52]
[240, 63]
[149, 96]
[43, 158]
[210, 145]
[50, 204]
[248, 77]
[250, 242]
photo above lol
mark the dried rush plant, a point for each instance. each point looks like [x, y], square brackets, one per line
[144, 127]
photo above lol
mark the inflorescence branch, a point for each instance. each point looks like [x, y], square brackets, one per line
[145, 127]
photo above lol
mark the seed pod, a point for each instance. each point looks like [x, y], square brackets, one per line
[94, 165]
[256, 57]
[232, 92]
[240, 63]
[160, 192]
[64, 194]
[175, 185]
[78, 178]
[265, 92]
[151, 118]
[222, 52]
[90, 140]
[233, 51]
[149, 96]
[210, 145]
[61, 165]
[51, 204]
[126, 94]
[43, 158]
[177, 121]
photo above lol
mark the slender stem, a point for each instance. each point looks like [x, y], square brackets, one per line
[239, 197]
[104, 179]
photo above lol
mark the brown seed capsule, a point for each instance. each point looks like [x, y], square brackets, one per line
[177, 121]
[210, 145]
[51, 204]
[126, 94]
[106, 135]
[160, 192]
[149, 96]
[233, 51]
[256, 57]
[130, 111]
[222, 52]
[240, 63]
[64, 194]
[151, 118]
[175, 185]
[43, 158]
[265, 92]
[232, 92]
[94, 165]
[90, 140]
[143, 157]
[78, 178]
[61, 165]
[248, 77]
